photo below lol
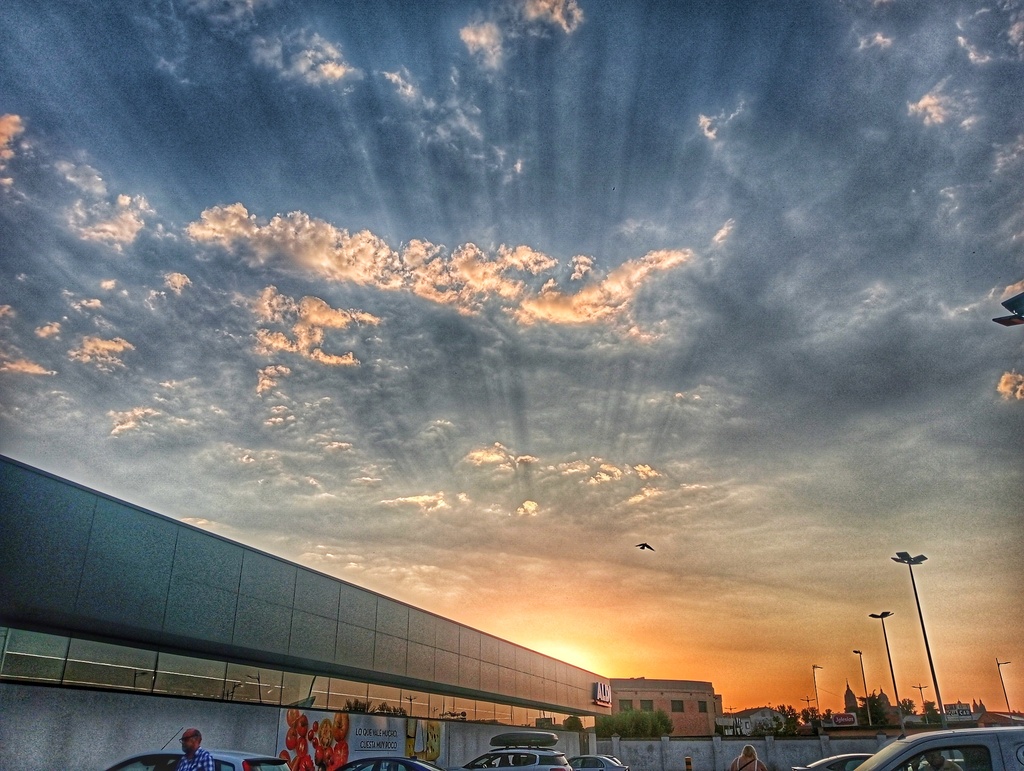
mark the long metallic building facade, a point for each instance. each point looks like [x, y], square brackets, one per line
[79, 563]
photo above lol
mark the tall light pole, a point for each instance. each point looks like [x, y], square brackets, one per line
[867, 699]
[920, 689]
[899, 707]
[904, 558]
[814, 677]
[999, 667]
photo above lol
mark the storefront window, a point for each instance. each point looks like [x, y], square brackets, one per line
[110, 666]
[348, 695]
[33, 656]
[188, 676]
[386, 699]
[297, 689]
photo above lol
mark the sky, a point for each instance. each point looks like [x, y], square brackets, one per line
[460, 301]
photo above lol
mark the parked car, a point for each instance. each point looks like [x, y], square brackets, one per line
[972, 749]
[524, 750]
[605, 762]
[845, 762]
[225, 760]
[390, 764]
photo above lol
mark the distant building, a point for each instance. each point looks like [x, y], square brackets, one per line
[692, 705]
[745, 721]
[991, 719]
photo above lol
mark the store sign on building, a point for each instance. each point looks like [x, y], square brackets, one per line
[844, 718]
[602, 694]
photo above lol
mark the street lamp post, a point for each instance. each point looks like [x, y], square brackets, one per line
[814, 677]
[999, 667]
[867, 699]
[905, 559]
[896, 692]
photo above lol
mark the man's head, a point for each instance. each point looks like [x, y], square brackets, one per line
[934, 758]
[190, 741]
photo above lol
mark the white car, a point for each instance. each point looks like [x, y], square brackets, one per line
[523, 751]
[224, 760]
[845, 762]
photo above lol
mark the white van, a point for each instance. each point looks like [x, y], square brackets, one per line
[965, 749]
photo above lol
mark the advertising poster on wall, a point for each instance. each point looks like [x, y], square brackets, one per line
[322, 740]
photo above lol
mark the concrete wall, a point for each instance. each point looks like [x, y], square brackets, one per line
[716, 753]
[44, 727]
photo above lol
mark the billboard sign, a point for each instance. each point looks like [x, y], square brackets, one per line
[844, 719]
[310, 739]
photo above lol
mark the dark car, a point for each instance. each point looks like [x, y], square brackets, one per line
[846, 762]
[224, 760]
[390, 764]
[602, 762]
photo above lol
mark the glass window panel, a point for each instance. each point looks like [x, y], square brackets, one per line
[109, 666]
[33, 656]
[465, 709]
[416, 704]
[385, 699]
[243, 682]
[346, 693]
[503, 714]
[188, 676]
[486, 711]
[296, 687]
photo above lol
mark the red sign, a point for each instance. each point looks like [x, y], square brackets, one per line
[844, 718]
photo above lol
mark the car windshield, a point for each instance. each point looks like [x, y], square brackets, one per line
[489, 760]
[881, 758]
[153, 762]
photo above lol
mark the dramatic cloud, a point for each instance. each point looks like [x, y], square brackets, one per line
[877, 40]
[428, 503]
[104, 354]
[600, 301]
[131, 420]
[400, 80]
[311, 317]
[484, 40]
[1011, 386]
[24, 367]
[84, 177]
[305, 57]
[564, 13]
[467, 278]
[116, 224]
[935, 107]
[269, 376]
[176, 282]
[10, 127]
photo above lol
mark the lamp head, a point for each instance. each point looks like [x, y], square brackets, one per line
[906, 559]
[883, 615]
[858, 653]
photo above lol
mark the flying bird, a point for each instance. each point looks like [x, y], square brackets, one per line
[644, 545]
